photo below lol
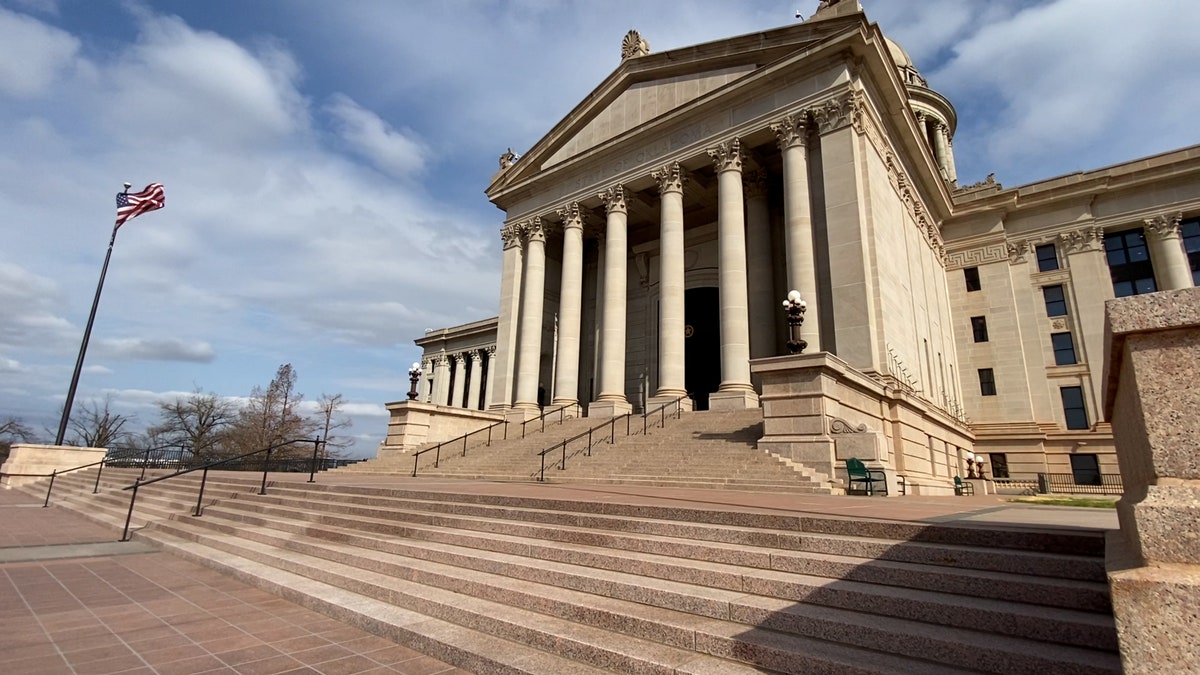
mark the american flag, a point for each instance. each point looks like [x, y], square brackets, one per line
[133, 205]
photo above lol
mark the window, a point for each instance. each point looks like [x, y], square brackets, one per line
[1047, 258]
[1056, 303]
[971, 274]
[1076, 414]
[1129, 263]
[1064, 349]
[999, 462]
[979, 328]
[1085, 469]
[987, 382]
[1190, 230]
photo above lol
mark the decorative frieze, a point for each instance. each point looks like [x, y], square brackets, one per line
[974, 257]
[727, 156]
[670, 178]
[614, 199]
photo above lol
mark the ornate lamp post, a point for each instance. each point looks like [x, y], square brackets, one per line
[974, 465]
[795, 306]
[414, 375]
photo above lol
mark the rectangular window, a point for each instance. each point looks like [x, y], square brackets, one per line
[1047, 258]
[1076, 414]
[999, 462]
[1056, 302]
[979, 328]
[971, 274]
[1190, 229]
[1086, 470]
[987, 382]
[1129, 263]
[1064, 349]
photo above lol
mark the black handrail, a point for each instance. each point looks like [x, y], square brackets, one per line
[542, 418]
[612, 425]
[437, 458]
[204, 476]
[95, 488]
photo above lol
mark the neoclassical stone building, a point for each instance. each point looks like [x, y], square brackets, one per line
[652, 234]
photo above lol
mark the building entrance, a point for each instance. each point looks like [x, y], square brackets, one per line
[702, 346]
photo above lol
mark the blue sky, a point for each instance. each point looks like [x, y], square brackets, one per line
[325, 162]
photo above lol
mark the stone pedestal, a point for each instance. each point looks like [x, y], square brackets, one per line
[733, 399]
[609, 408]
[413, 424]
[42, 460]
[1153, 345]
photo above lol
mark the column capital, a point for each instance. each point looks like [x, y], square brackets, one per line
[614, 199]
[491, 350]
[670, 178]
[572, 216]
[792, 130]
[1164, 225]
[475, 355]
[727, 156]
[510, 235]
[533, 229]
[755, 180]
[843, 111]
[1085, 239]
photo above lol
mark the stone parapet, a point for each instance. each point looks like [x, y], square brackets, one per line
[35, 461]
[413, 424]
[1153, 347]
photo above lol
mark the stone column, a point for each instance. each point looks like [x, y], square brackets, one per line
[951, 171]
[476, 379]
[423, 383]
[441, 378]
[941, 149]
[671, 383]
[491, 374]
[792, 135]
[1170, 260]
[1153, 564]
[611, 398]
[533, 292]
[759, 259]
[570, 307]
[735, 391]
[500, 386]
[460, 379]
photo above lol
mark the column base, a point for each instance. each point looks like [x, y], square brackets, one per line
[609, 408]
[519, 414]
[733, 399]
[685, 404]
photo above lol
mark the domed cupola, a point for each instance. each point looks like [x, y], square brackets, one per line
[934, 114]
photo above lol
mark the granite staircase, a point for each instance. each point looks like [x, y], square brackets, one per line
[512, 584]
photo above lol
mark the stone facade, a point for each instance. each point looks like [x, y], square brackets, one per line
[651, 235]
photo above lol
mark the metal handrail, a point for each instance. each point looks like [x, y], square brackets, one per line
[204, 477]
[95, 488]
[612, 425]
[437, 458]
[542, 418]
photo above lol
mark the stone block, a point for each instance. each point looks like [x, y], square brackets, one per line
[42, 460]
[734, 399]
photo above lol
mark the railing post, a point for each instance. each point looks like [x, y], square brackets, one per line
[129, 514]
[145, 461]
[563, 466]
[49, 488]
[415, 459]
[266, 467]
[312, 473]
[199, 497]
[1043, 484]
[437, 456]
[96, 487]
[465, 445]
[489, 441]
[542, 471]
[589, 443]
[612, 431]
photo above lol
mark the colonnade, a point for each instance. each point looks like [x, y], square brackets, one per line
[743, 231]
[937, 132]
[457, 378]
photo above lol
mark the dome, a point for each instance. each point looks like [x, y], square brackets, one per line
[904, 63]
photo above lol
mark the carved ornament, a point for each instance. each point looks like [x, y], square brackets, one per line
[571, 216]
[533, 229]
[510, 235]
[792, 130]
[1086, 239]
[476, 355]
[670, 178]
[1058, 324]
[633, 45]
[1017, 250]
[508, 159]
[845, 110]
[1164, 225]
[727, 156]
[841, 426]
[614, 199]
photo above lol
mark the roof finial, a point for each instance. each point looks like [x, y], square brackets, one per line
[633, 45]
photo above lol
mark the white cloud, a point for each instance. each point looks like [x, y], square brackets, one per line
[9, 365]
[157, 349]
[97, 370]
[392, 151]
[32, 54]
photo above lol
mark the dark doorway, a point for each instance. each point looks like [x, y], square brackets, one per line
[702, 351]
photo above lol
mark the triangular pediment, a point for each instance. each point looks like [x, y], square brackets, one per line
[646, 88]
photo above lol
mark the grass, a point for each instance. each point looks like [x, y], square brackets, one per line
[1087, 502]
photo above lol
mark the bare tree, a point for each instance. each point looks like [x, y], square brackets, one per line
[13, 430]
[197, 421]
[270, 416]
[330, 420]
[95, 425]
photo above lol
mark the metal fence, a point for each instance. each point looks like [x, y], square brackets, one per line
[1063, 484]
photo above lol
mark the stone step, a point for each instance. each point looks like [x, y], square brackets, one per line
[569, 591]
[619, 652]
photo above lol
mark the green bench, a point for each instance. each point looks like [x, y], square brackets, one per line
[861, 475]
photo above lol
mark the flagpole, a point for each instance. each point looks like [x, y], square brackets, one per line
[87, 333]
